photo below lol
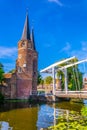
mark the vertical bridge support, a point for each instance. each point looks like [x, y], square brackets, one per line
[54, 87]
[66, 80]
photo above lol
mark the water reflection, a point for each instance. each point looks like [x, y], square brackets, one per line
[45, 117]
[85, 102]
[15, 105]
[5, 126]
[48, 116]
[24, 116]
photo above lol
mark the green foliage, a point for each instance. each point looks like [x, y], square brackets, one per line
[84, 111]
[74, 122]
[74, 76]
[48, 80]
[39, 79]
[42, 82]
[1, 73]
[60, 75]
[12, 71]
[1, 65]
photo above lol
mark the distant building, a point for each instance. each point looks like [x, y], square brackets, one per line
[23, 81]
[48, 88]
[85, 83]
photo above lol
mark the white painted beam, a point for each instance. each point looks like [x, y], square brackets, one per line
[66, 80]
[76, 63]
[53, 74]
[56, 64]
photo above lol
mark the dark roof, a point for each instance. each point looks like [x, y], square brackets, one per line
[32, 38]
[26, 31]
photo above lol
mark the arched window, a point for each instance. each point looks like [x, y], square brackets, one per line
[19, 70]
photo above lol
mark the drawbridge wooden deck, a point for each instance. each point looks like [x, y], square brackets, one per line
[71, 94]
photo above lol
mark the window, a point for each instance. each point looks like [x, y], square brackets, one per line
[24, 65]
[19, 70]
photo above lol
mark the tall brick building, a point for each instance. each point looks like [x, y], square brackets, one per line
[26, 65]
[23, 81]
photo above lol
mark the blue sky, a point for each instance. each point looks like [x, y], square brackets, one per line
[60, 28]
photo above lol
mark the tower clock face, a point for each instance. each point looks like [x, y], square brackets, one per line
[23, 44]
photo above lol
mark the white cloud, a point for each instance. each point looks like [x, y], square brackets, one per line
[66, 48]
[57, 2]
[7, 52]
[84, 45]
[9, 55]
[80, 53]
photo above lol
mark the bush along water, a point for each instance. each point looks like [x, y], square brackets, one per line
[75, 121]
[1, 98]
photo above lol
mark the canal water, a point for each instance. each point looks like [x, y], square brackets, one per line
[24, 116]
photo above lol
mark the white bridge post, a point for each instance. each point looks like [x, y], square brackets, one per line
[53, 74]
[66, 80]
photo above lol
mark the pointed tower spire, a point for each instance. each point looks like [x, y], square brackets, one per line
[32, 39]
[26, 31]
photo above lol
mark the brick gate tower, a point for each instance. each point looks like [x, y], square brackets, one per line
[26, 64]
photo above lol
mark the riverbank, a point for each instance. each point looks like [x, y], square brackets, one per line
[43, 99]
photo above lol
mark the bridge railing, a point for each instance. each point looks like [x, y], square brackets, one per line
[71, 92]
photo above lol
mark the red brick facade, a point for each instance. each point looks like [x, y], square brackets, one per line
[26, 69]
[23, 81]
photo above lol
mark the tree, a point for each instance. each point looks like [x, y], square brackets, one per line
[1, 73]
[42, 82]
[74, 76]
[12, 71]
[39, 78]
[48, 80]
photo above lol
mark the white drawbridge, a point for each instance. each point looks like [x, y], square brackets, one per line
[55, 67]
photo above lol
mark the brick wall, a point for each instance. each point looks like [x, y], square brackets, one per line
[23, 88]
